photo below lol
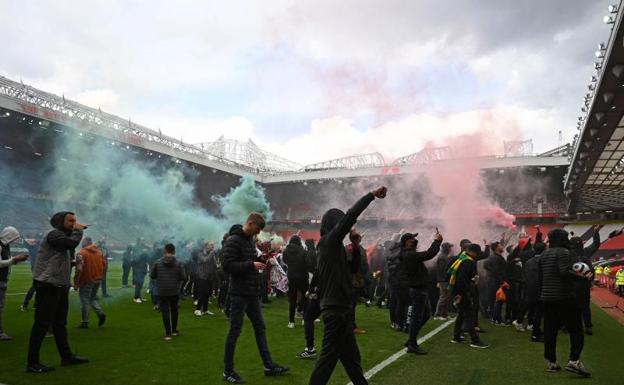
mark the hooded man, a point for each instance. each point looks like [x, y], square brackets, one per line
[205, 270]
[357, 261]
[336, 293]
[101, 244]
[8, 235]
[417, 279]
[295, 257]
[583, 287]
[52, 282]
[398, 295]
[444, 301]
[90, 267]
[139, 268]
[561, 308]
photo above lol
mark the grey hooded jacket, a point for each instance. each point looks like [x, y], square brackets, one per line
[56, 253]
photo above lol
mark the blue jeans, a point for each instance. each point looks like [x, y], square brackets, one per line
[88, 298]
[138, 281]
[420, 313]
[239, 306]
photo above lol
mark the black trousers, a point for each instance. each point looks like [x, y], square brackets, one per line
[512, 307]
[402, 303]
[124, 275]
[312, 312]
[296, 291]
[103, 282]
[392, 304]
[51, 307]
[565, 312]
[169, 310]
[224, 283]
[29, 294]
[522, 302]
[465, 318]
[535, 315]
[239, 306]
[584, 298]
[203, 290]
[421, 312]
[338, 344]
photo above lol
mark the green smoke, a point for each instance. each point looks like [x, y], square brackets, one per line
[126, 196]
[243, 199]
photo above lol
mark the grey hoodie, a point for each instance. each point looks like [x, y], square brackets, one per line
[8, 235]
[56, 253]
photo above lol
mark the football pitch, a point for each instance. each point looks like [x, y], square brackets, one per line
[130, 349]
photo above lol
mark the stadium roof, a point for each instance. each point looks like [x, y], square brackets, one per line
[235, 157]
[594, 182]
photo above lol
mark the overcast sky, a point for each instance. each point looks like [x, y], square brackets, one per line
[315, 80]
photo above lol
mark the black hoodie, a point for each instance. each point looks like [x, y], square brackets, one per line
[311, 259]
[295, 257]
[238, 255]
[334, 272]
[412, 271]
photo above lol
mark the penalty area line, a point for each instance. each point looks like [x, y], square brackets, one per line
[382, 365]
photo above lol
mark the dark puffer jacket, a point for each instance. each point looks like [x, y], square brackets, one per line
[556, 268]
[169, 275]
[238, 255]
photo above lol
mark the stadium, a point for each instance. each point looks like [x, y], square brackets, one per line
[125, 180]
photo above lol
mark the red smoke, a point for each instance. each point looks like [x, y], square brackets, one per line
[497, 215]
[465, 210]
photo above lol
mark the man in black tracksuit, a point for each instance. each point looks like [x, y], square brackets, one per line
[240, 262]
[560, 305]
[417, 279]
[335, 293]
[583, 287]
[397, 298]
[295, 258]
[359, 269]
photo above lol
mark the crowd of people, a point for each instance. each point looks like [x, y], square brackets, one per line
[541, 285]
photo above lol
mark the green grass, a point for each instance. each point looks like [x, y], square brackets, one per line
[130, 349]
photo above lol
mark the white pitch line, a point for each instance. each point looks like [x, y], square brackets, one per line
[380, 366]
